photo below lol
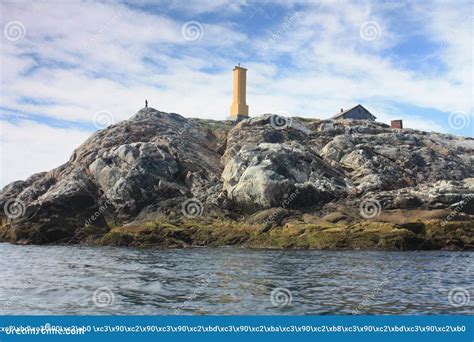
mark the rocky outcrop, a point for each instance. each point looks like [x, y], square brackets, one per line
[160, 165]
[52, 206]
[456, 195]
[267, 167]
[153, 160]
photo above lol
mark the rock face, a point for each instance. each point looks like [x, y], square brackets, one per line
[268, 166]
[158, 163]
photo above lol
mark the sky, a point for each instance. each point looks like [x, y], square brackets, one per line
[69, 68]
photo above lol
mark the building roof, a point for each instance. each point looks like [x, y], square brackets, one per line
[340, 115]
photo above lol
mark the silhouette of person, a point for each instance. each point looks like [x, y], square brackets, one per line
[146, 103]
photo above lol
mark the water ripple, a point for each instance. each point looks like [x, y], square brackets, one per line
[229, 281]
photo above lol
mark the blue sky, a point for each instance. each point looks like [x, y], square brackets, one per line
[70, 68]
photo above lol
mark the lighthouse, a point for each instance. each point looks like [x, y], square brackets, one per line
[239, 109]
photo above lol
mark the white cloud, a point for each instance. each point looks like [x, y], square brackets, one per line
[106, 44]
[332, 61]
[96, 60]
[28, 147]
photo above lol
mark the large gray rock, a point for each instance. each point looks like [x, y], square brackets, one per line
[115, 174]
[54, 208]
[277, 168]
[134, 175]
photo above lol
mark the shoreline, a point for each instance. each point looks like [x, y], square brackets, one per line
[361, 236]
[296, 232]
[237, 247]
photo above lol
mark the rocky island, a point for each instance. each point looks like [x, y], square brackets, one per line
[159, 179]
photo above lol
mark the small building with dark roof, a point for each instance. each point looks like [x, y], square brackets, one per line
[358, 112]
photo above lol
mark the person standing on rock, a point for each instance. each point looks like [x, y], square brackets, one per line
[146, 103]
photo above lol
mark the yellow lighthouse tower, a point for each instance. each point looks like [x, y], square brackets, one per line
[239, 109]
